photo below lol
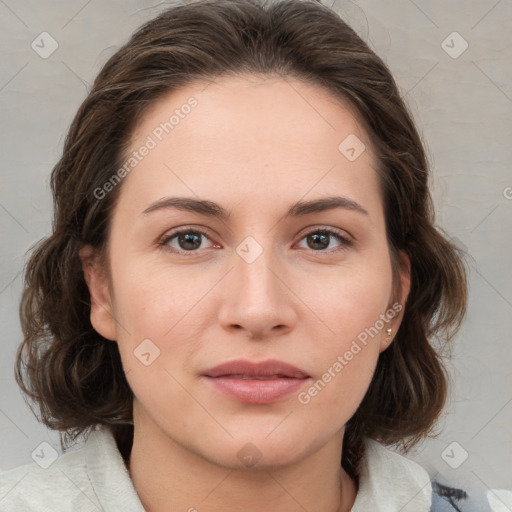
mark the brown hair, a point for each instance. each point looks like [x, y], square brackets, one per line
[74, 375]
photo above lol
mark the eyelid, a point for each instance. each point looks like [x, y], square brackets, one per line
[331, 229]
[169, 235]
[345, 238]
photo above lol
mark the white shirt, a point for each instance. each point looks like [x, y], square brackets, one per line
[94, 478]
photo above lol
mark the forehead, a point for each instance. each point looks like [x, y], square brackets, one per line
[250, 137]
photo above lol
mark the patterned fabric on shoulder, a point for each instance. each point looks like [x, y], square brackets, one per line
[452, 499]
[447, 498]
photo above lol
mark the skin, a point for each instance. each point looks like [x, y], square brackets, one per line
[254, 145]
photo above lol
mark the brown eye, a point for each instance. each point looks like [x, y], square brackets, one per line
[187, 240]
[320, 239]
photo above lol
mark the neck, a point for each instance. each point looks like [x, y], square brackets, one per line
[168, 476]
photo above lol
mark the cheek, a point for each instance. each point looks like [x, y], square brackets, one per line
[349, 302]
[160, 318]
[351, 312]
[345, 366]
[154, 301]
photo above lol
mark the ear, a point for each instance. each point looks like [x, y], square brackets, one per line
[405, 278]
[102, 313]
[397, 308]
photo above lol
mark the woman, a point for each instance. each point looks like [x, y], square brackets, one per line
[244, 277]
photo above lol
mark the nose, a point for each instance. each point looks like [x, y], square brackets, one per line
[258, 298]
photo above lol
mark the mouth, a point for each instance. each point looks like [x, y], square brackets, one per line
[270, 369]
[256, 383]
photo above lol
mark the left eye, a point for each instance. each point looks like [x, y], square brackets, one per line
[189, 240]
[321, 238]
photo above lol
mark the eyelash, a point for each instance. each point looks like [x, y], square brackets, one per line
[164, 241]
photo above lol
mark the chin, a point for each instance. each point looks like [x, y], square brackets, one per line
[255, 449]
[255, 457]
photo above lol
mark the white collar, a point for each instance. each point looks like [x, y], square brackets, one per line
[108, 474]
[388, 481]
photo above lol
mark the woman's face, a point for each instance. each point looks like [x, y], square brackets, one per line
[257, 283]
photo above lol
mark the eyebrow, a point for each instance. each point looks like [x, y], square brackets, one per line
[212, 209]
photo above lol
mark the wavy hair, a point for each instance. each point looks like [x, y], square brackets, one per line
[74, 376]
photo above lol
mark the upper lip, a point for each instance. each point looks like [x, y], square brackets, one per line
[268, 368]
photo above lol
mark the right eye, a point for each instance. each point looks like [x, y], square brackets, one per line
[187, 239]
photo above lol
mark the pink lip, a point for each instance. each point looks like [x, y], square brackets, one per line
[256, 383]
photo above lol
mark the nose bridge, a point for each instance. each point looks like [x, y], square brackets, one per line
[258, 298]
[257, 269]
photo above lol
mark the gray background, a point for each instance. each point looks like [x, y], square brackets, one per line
[463, 107]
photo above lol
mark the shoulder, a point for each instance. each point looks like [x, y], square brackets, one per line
[92, 477]
[389, 481]
[63, 483]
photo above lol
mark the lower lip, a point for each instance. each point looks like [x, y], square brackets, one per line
[257, 391]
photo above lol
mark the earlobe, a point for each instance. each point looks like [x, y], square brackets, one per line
[102, 314]
[388, 339]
